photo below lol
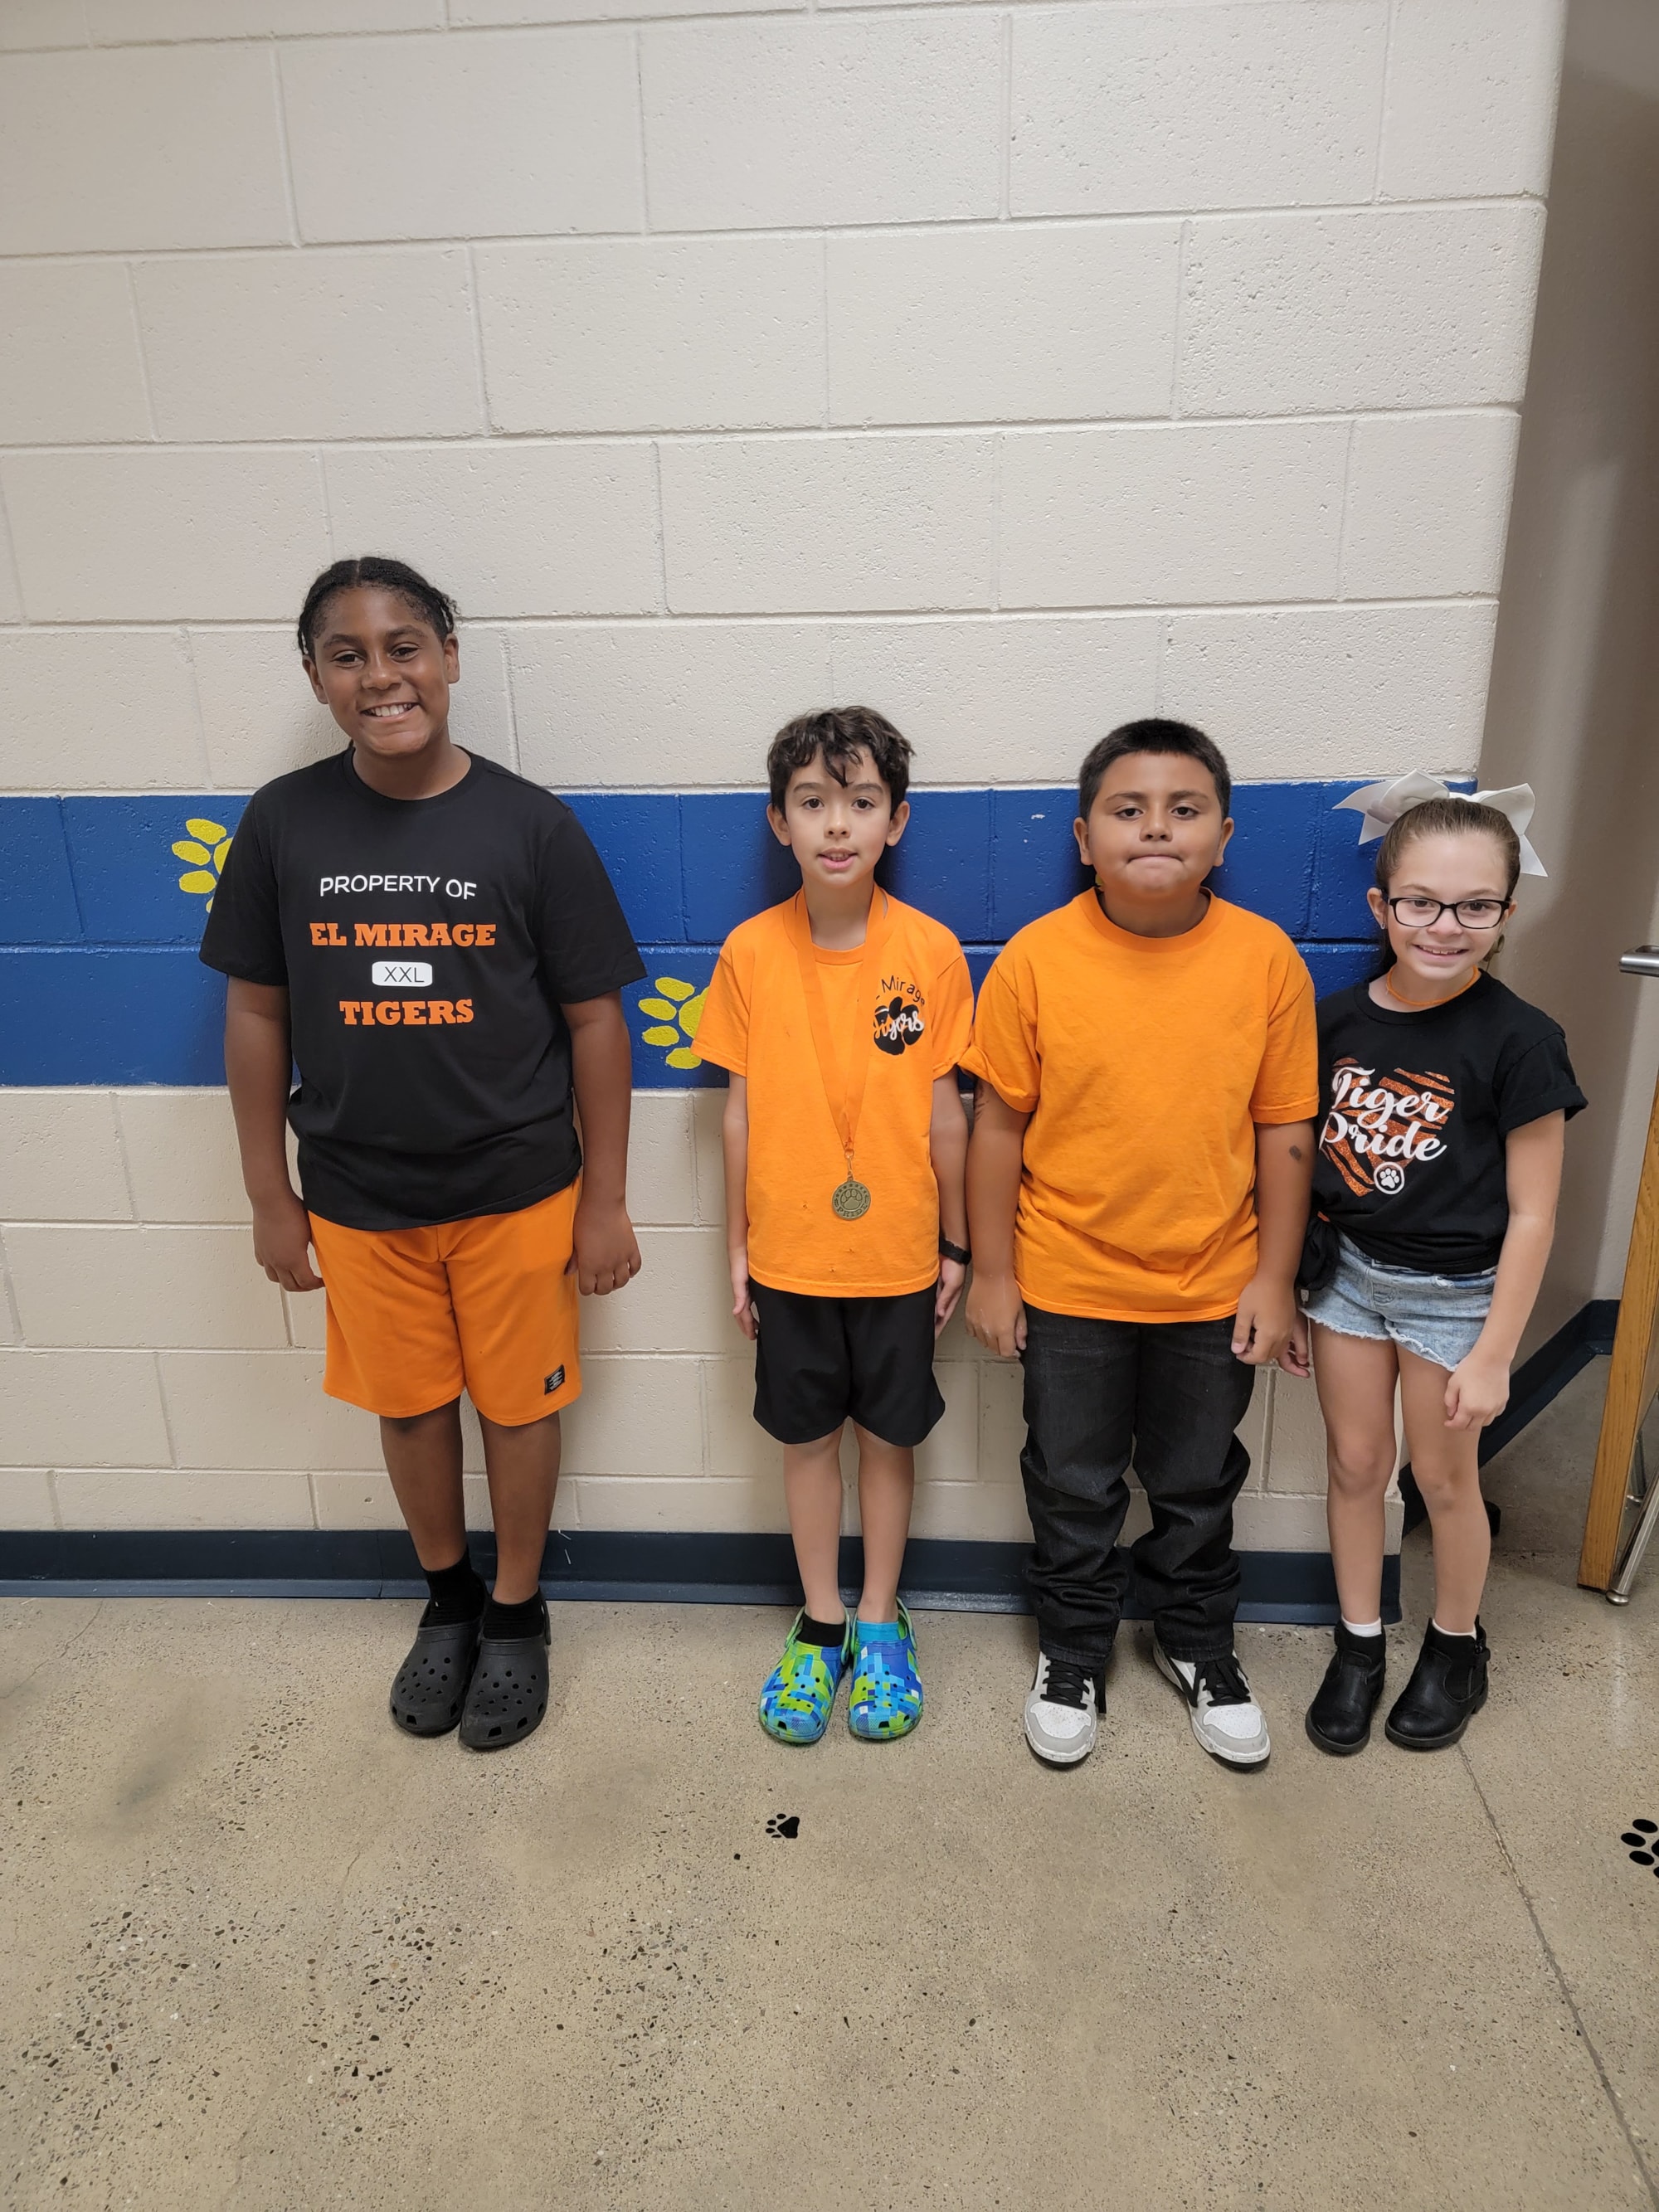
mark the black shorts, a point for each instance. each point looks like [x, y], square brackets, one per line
[818, 1360]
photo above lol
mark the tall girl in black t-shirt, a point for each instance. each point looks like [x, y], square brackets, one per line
[1443, 1103]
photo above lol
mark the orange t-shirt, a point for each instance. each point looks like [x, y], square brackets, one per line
[1145, 1063]
[754, 1023]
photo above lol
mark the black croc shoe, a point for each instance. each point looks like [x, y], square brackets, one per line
[1339, 1717]
[1448, 1687]
[431, 1684]
[507, 1698]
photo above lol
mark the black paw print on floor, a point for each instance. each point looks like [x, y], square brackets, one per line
[1642, 1837]
[787, 1824]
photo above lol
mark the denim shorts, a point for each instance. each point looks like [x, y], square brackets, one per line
[1437, 1316]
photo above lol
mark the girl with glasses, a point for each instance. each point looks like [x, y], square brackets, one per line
[1444, 1099]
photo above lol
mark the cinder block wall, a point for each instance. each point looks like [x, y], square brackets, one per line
[1016, 369]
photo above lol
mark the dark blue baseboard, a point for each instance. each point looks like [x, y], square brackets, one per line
[1587, 1336]
[597, 1566]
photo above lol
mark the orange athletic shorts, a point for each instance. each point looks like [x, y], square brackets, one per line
[414, 1315]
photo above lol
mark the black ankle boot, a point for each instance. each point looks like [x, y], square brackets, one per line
[1448, 1687]
[1339, 1717]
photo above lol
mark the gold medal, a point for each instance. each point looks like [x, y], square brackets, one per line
[851, 1200]
[843, 1083]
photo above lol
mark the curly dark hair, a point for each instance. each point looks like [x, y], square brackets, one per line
[433, 607]
[840, 734]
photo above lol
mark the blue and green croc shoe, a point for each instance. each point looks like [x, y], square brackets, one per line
[800, 1694]
[884, 1700]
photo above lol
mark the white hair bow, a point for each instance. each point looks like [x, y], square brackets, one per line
[1383, 804]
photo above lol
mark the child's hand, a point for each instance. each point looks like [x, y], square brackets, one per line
[1478, 1391]
[1266, 1323]
[996, 1318]
[743, 1304]
[1294, 1360]
[604, 1251]
[951, 1277]
[282, 1244]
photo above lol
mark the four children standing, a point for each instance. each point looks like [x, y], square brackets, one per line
[1147, 1075]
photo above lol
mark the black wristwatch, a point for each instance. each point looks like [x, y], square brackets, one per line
[959, 1253]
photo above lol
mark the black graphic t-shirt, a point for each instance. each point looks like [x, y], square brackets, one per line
[426, 945]
[1414, 1110]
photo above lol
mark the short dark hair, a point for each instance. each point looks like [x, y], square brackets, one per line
[1153, 735]
[433, 607]
[840, 733]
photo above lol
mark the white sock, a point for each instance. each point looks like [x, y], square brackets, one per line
[1464, 1635]
[1362, 1628]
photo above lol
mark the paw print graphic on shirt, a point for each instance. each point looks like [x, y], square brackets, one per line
[674, 1012]
[204, 848]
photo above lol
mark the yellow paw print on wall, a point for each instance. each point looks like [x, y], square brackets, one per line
[204, 848]
[675, 1015]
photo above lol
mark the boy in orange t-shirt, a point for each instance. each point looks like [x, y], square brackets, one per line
[1137, 1191]
[840, 1017]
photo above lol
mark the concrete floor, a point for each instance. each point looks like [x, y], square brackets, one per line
[262, 1952]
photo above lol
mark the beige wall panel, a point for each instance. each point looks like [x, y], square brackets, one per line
[100, 708]
[70, 365]
[194, 1286]
[1428, 500]
[1011, 699]
[680, 1302]
[532, 133]
[128, 1498]
[651, 1502]
[25, 1498]
[977, 1512]
[85, 168]
[662, 1187]
[115, 21]
[707, 1114]
[652, 334]
[163, 536]
[509, 529]
[262, 1409]
[311, 345]
[810, 525]
[674, 704]
[91, 1408]
[1319, 690]
[180, 1147]
[1440, 143]
[636, 1417]
[1248, 511]
[60, 1154]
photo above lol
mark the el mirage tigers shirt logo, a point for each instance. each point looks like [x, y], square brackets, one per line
[1380, 1127]
[899, 1024]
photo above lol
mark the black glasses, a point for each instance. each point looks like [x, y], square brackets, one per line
[1424, 913]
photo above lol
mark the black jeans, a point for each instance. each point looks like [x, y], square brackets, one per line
[1168, 1395]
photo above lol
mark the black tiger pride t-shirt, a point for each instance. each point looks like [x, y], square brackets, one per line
[1415, 1108]
[426, 945]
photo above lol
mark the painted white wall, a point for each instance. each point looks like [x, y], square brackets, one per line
[1015, 367]
[1575, 693]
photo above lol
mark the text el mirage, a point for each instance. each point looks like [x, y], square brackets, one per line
[405, 935]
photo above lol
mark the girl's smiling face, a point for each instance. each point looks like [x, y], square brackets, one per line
[1467, 868]
[383, 672]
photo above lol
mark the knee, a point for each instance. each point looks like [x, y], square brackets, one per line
[411, 1425]
[1360, 1469]
[1444, 1484]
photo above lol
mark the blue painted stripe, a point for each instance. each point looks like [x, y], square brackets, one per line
[100, 914]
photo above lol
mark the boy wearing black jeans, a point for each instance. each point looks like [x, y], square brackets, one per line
[1137, 1195]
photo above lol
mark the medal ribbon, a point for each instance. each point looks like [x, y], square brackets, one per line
[843, 1080]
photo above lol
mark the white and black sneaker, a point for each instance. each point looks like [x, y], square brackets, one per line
[1060, 1711]
[1226, 1719]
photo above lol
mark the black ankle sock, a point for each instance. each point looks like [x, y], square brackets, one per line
[821, 1631]
[523, 1620]
[456, 1595]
